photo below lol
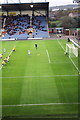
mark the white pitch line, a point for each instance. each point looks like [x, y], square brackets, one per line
[43, 104]
[74, 65]
[69, 57]
[48, 56]
[0, 67]
[10, 53]
[60, 45]
[41, 76]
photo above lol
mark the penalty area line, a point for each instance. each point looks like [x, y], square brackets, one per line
[43, 104]
[48, 56]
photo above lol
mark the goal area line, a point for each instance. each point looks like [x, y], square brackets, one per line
[43, 104]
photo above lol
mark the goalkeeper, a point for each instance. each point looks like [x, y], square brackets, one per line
[68, 39]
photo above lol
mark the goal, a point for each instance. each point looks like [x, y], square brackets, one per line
[71, 50]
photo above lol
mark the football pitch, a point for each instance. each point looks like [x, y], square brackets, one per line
[42, 84]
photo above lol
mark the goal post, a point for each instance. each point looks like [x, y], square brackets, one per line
[71, 50]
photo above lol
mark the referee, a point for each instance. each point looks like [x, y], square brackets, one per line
[36, 45]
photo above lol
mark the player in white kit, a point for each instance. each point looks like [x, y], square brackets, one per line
[29, 52]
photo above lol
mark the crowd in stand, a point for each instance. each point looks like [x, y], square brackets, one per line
[37, 22]
[20, 24]
[16, 24]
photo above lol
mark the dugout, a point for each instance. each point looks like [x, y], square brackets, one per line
[56, 30]
[41, 8]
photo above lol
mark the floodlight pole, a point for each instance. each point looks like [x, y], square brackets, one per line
[31, 1]
[76, 1]
[19, 1]
[7, 1]
[32, 9]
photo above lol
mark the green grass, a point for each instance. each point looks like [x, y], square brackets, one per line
[39, 78]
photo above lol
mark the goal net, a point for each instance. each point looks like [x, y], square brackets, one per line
[71, 50]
